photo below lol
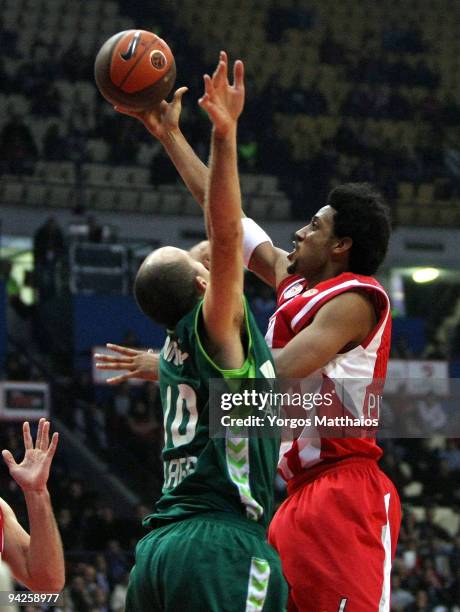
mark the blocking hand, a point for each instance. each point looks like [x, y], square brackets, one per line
[224, 102]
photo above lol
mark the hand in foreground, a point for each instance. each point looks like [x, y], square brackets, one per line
[140, 364]
[163, 118]
[33, 471]
[224, 102]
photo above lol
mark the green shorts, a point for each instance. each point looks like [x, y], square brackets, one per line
[211, 562]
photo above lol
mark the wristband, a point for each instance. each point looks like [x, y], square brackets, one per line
[253, 235]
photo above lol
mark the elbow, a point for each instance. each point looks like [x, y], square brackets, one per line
[59, 584]
[54, 583]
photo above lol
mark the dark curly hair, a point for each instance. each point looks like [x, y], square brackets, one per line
[362, 215]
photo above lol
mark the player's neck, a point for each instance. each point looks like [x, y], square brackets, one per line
[331, 270]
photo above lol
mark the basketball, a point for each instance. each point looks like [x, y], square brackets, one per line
[135, 69]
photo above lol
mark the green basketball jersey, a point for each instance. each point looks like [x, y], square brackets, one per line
[229, 474]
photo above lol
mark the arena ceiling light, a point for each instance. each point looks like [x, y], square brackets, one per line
[425, 275]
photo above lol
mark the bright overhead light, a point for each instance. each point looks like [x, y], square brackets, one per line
[425, 275]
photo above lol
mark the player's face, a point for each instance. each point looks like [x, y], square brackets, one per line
[313, 244]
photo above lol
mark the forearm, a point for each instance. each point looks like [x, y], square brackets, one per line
[223, 203]
[192, 170]
[45, 557]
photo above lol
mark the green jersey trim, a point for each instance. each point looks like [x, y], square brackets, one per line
[237, 458]
[237, 449]
[241, 372]
[259, 576]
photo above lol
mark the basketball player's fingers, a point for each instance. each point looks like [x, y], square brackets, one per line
[8, 458]
[40, 433]
[206, 104]
[116, 380]
[208, 86]
[53, 445]
[220, 75]
[124, 350]
[115, 366]
[204, 101]
[238, 75]
[113, 359]
[104, 358]
[177, 98]
[160, 110]
[126, 111]
[28, 442]
[45, 440]
[223, 57]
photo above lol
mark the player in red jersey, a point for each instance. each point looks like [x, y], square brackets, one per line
[337, 531]
[35, 560]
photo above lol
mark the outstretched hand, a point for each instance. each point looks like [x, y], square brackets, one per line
[224, 102]
[33, 471]
[141, 365]
[163, 118]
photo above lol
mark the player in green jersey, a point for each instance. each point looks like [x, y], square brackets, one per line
[207, 548]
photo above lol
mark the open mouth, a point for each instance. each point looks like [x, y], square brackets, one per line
[293, 252]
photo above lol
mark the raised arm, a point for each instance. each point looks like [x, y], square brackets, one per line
[162, 122]
[223, 310]
[36, 560]
[267, 261]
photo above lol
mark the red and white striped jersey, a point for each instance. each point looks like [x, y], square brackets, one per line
[296, 308]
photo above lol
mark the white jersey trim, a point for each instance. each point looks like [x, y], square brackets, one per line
[312, 303]
[384, 604]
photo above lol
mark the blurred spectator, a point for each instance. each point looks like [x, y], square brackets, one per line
[67, 529]
[142, 428]
[16, 367]
[432, 414]
[400, 597]
[451, 454]
[101, 529]
[49, 252]
[122, 401]
[79, 595]
[118, 599]
[95, 230]
[428, 528]
[17, 146]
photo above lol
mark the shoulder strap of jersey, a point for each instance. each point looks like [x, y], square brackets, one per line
[308, 311]
[286, 284]
[235, 373]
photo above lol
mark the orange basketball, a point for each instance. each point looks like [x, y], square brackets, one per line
[135, 69]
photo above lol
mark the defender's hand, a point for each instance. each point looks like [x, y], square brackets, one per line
[33, 471]
[224, 102]
[162, 119]
[140, 364]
